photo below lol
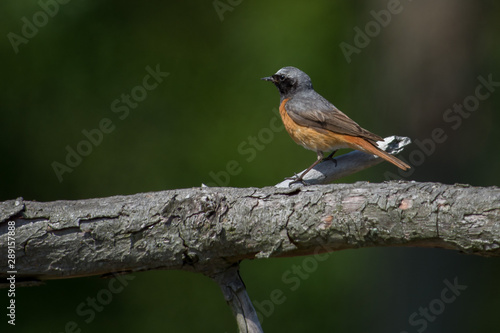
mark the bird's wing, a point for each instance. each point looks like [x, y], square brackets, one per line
[316, 111]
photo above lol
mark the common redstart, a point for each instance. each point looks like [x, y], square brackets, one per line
[316, 124]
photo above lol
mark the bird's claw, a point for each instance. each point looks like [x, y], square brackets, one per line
[295, 179]
[331, 159]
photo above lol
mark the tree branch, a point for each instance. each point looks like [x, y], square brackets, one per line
[350, 163]
[236, 295]
[208, 230]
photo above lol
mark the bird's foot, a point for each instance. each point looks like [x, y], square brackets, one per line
[330, 158]
[295, 179]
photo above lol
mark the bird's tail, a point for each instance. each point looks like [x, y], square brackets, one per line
[366, 146]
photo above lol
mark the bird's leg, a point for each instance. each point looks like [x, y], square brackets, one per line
[330, 157]
[299, 179]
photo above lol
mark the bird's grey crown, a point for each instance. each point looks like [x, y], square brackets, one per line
[301, 78]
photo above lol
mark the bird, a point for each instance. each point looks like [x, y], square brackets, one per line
[316, 124]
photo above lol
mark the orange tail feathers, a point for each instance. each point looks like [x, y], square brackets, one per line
[363, 145]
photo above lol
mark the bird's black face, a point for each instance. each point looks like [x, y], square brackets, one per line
[284, 83]
[288, 80]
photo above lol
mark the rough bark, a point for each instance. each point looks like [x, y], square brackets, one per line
[210, 229]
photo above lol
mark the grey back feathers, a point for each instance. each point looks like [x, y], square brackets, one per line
[308, 108]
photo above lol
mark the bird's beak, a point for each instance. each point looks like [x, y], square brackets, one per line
[268, 78]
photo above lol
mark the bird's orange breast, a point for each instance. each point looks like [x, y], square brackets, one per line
[311, 138]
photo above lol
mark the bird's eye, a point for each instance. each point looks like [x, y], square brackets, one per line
[282, 77]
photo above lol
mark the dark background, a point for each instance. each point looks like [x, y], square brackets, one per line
[402, 80]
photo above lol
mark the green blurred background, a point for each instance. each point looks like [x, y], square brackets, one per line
[212, 109]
